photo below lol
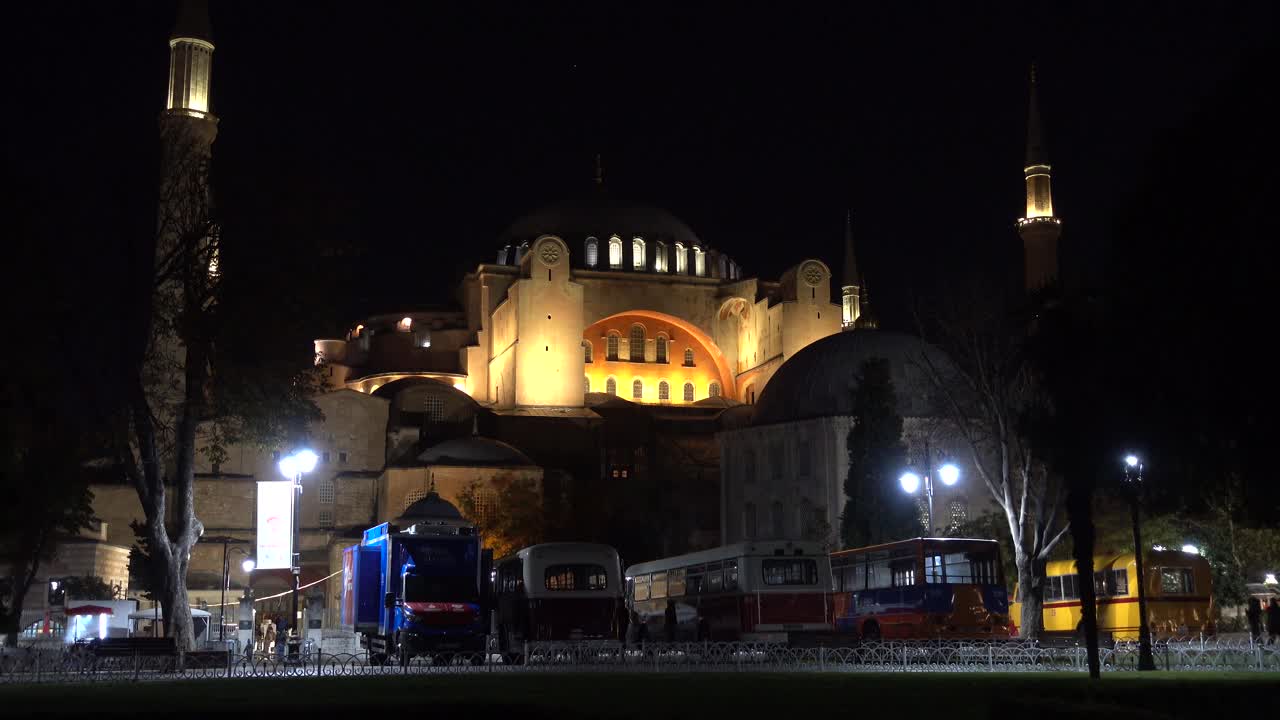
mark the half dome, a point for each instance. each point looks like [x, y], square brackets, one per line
[474, 451]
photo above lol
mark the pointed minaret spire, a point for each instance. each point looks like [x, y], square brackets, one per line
[850, 294]
[1039, 228]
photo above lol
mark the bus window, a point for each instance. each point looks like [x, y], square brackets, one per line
[1176, 581]
[970, 567]
[791, 571]
[1052, 589]
[693, 580]
[675, 583]
[714, 579]
[641, 587]
[903, 573]
[1102, 584]
[933, 569]
[576, 577]
[658, 585]
[730, 574]
[1120, 582]
[878, 572]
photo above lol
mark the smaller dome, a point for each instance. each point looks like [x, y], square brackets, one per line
[430, 508]
[474, 451]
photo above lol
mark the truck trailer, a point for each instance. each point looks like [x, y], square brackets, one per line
[421, 591]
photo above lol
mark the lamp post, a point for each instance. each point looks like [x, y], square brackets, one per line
[1133, 486]
[293, 467]
[911, 483]
[225, 541]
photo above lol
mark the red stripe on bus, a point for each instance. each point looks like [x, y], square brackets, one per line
[1118, 601]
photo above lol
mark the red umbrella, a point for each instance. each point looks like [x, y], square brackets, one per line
[90, 610]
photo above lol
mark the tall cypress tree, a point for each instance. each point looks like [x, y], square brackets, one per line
[875, 509]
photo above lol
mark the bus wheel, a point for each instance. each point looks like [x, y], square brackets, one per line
[871, 631]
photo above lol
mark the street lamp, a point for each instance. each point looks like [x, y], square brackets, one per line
[248, 565]
[948, 473]
[1133, 488]
[294, 467]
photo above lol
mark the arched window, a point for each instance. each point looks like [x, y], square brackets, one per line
[611, 386]
[520, 251]
[637, 390]
[637, 343]
[591, 252]
[699, 262]
[749, 521]
[637, 254]
[688, 392]
[664, 391]
[433, 407]
[586, 384]
[724, 267]
[615, 252]
[660, 257]
[586, 351]
[713, 390]
[682, 261]
[688, 357]
[778, 520]
[958, 512]
[611, 346]
[661, 349]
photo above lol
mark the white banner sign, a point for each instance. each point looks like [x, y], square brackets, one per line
[275, 524]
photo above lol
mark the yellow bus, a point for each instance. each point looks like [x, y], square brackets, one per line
[1179, 596]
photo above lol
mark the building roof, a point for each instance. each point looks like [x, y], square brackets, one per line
[475, 451]
[431, 507]
[599, 214]
[819, 381]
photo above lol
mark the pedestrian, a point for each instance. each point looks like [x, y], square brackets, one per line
[1273, 621]
[282, 636]
[642, 635]
[268, 635]
[1254, 616]
[633, 629]
[669, 621]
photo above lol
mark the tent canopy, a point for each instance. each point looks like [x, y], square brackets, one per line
[158, 614]
[90, 610]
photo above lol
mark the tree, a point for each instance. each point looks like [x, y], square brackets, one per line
[46, 486]
[991, 395]
[875, 510]
[510, 518]
[190, 387]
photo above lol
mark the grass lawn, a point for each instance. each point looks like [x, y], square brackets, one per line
[1203, 696]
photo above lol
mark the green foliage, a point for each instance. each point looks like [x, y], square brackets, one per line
[510, 518]
[88, 588]
[875, 510]
[992, 526]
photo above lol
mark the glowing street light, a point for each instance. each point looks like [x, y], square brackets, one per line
[293, 467]
[1133, 486]
[1269, 579]
[911, 483]
[1191, 549]
[248, 564]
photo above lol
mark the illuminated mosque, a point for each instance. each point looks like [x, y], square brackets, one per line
[602, 340]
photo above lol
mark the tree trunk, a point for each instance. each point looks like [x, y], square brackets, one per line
[1031, 595]
[171, 559]
[13, 623]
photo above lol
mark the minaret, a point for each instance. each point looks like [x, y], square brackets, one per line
[851, 290]
[187, 131]
[1039, 228]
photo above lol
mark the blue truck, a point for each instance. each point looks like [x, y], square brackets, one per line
[420, 591]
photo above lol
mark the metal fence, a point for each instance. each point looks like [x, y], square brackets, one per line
[925, 656]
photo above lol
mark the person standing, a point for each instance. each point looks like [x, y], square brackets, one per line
[1273, 621]
[268, 635]
[669, 621]
[1253, 614]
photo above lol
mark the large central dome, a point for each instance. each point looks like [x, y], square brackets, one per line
[599, 214]
[605, 233]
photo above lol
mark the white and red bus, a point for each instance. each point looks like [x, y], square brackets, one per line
[558, 591]
[753, 591]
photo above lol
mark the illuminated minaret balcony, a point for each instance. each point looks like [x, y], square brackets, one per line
[1039, 227]
[190, 62]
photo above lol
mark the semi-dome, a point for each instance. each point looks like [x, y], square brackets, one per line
[820, 380]
[588, 222]
[430, 508]
[474, 451]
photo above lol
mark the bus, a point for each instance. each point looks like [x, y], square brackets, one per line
[1179, 596]
[558, 592]
[921, 588]
[755, 591]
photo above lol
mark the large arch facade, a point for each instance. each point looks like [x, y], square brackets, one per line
[683, 340]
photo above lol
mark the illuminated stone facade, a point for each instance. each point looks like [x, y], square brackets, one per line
[535, 328]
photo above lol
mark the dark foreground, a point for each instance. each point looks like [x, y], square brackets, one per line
[695, 695]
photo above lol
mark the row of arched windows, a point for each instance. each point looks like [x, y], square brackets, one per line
[636, 338]
[661, 258]
[664, 389]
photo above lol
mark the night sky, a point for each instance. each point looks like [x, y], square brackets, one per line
[406, 137]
